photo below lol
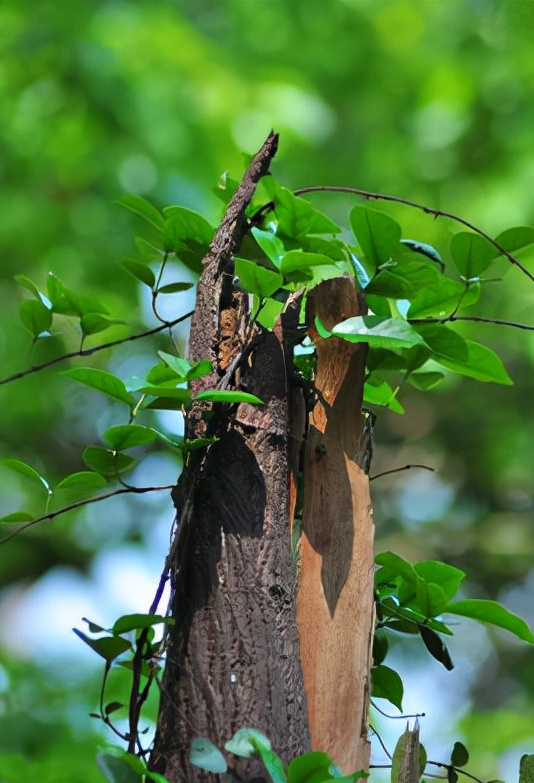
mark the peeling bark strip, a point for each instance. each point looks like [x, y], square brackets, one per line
[335, 595]
[232, 658]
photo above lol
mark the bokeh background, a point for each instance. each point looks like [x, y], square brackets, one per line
[429, 99]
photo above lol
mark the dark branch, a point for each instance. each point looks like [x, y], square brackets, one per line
[428, 210]
[478, 318]
[90, 351]
[80, 504]
[399, 470]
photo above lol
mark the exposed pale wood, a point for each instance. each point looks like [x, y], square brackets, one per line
[335, 593]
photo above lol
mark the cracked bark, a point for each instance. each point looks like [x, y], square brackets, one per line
[233, 657]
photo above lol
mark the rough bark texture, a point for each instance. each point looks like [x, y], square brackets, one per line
[232, 658]
[335, 594]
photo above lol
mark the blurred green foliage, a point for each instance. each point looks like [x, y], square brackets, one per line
[428, 100]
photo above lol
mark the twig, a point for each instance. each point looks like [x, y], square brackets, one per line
[478, 318]
[397, 717]
[80, 504]
[428, 210]
[456, 769]
[90, 351]
[398, 470]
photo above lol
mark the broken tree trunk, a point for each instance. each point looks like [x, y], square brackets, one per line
[232, 658]
[335, 610]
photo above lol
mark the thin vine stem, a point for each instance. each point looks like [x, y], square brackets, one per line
[370, 196]
[89, 351]
[81, 504]
[477, 318]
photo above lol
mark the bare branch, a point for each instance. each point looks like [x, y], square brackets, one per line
[428, 210]
[399, 470]
[80, 504]
[477, 318]
[90, 351]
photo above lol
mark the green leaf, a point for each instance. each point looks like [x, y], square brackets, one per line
[378, 332]
[513, 239]
[102, 381]
[223, 395]
[174, 288]
[272, 246]
[426, 250]
[77, 486]
[136, 622]
[183, 224]
[257, 279]
[482, 364]
[446, 576]
[108, 647]
[493, 613]
[25, 470]
[144, 209]
[459, 755]
[297, 217]
[380, 647]
[116, 769]
[176, 397]
[443, 342]
[397, 565]
[269, 313]
[405, 763]
[403, 280]
[296, 260]
[30, 286]
[226, 187]
[178, 365]
[67, 302]
[387, 684]
[106, 462]
[17, 516]
[442, 299]
[310, 767]
[241, 743]
[140, 271]
[377, 234]
[376, 392]
[471, 253]
[425, 381]
[35, 316]
[126, 436]
[92, 323]
[207, 756]
[272, 763]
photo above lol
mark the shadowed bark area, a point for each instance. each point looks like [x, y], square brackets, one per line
[335, 594]
[232, 657]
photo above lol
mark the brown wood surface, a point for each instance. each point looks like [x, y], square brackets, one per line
[232, 657]
[335, 593]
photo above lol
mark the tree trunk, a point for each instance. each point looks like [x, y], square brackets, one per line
[335, 610]
[232, 658]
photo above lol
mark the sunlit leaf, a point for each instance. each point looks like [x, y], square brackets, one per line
[472, 253]
[378, 332]
[482, 363]
[77, 486]
[377, 234]
[68, 302]
[442, 299]
[257, 279]
[241, 745]
[227, 395]
[493, 613]
[272, 246]
[102, 381]
[143, 208]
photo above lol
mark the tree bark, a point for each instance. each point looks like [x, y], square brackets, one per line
[335, 610]
[232, 658]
